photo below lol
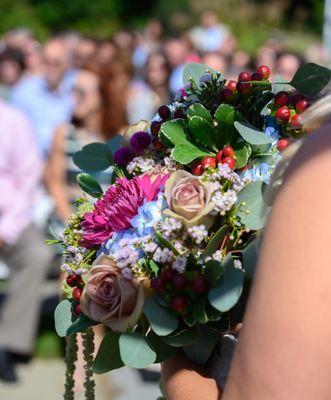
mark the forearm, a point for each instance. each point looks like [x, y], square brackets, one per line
[62, 205]
[183, 380]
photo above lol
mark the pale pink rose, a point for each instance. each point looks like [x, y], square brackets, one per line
[188, 198]
[111, 299]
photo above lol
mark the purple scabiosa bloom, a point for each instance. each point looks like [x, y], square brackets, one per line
[123, 156]
[140, 141]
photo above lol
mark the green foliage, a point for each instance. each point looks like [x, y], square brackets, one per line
[225, 116]
[215, 242]
[202, 131]
[94, 157]
[251, 207]
[163, 350]
[201, 349]
[310, 78]
[108, 357]
[242, 151]
[229, 288]
[183, 338]
[198, 110]
[250, 257]
[250, 134]
[135, 351]
[89, 185]
[194, 71]
[213, 271]
[162, 320]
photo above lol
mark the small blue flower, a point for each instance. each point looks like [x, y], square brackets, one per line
[272, 128]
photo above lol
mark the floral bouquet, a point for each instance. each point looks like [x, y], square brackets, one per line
[164, 257]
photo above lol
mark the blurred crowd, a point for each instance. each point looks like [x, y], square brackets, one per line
[70, 91]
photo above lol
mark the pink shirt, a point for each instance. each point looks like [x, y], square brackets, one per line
[20, 173]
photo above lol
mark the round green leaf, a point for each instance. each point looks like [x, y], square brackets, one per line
[89, 185]
[63, 317]
[242, 152]
[251, 207]
[174, 132]
[201, 349]
[93, 157]
[213, 271]
[250, 257]
[186, 153]
[198, 110]
[108, 357]
[202, 131]
[310, 78]
[183, 338]
[215, 242]
[135, 351]
[250, 134]
[163, 350]
[229, 288]
[80, 324]
[162, 320]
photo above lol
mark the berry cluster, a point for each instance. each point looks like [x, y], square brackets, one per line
[224, 156]
[76, 282]
[179, 289]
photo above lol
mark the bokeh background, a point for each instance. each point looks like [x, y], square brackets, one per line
[153, 39]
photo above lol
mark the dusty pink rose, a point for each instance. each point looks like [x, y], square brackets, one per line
[188, 197]
[111, 299]
[114, 211]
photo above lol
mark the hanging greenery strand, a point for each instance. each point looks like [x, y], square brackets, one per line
[71, 358]
[88, 351]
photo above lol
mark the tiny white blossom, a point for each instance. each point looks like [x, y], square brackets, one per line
[237, 264]
[179, 264]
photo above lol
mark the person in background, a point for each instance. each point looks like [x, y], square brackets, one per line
[176, 52]
[217, 62]
[106, 52]
[12, 66]
[157, 77]
[46, 99]
[84, 51]
[21, 243]
[287, 64]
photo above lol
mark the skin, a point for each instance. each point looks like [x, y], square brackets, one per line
[283, 351]
[87, 110]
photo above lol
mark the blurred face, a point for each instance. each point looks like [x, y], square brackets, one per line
[10, 72]
[216, 61]
[84, 51]
[157, 73]
[86, 95]
[56, 62]
[175, 52]
[287, 65]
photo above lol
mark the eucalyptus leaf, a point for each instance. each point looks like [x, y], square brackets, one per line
[163, 350]
[311, 78]
[89, 185]
[202, 131]
[198, 110]
[213, 271]
[186, 153]
[63, 317]
[250, 256]
[194, 71]
[200, 351]
[108, 357]
[215, 242]
[162, 320]
[251, 207]
[250, 134]
[80, 324]
[135, 351]
[229, 288]
[183, 338]
[93, 157]
[199, 311]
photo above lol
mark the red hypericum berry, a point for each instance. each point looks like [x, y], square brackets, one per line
[74, 280]
[243, 87]
[226, 95]
[179, 281]
[179, 303]
[283, 114]
[208, 162]
[296, 98]
[232, 85]
[219, 157]
[199, 284]
[158, 145]
[295, 121]
[76, 293]
[264, 71]
[197, 169]
[179, 113]
[167, 274]
[164, 112]
[155, 127]
[282, 98]
[244, 76]
[256, 77]
[228, 151]
[283, 144]
[301, 106]
[230, 161]
[157, 284]
[78, 309]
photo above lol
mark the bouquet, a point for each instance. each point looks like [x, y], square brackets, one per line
[164, 257]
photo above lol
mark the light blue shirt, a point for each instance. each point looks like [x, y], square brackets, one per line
[45, 108]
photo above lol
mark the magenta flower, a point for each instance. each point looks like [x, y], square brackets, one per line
[114, 211]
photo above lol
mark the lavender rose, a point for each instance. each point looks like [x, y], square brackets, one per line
[188, 198]
[110, 298]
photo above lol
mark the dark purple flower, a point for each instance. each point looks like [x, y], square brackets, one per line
[123, 156]
[140, 141]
